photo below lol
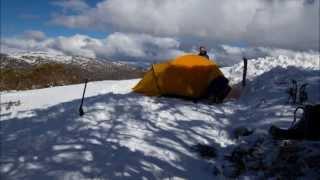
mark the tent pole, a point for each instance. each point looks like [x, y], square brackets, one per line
[245, 64]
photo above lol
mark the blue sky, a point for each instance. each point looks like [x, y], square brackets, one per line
[18, 16]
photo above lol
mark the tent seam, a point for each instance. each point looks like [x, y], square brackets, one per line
[156, 79]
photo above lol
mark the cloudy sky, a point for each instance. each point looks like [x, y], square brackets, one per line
[151, 30]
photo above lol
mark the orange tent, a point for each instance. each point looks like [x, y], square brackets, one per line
[186, 76]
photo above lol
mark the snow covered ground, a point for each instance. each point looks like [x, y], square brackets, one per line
[124, 135]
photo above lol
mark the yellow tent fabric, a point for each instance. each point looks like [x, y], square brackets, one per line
[186, 76]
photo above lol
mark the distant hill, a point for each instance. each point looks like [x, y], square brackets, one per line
[34, 70]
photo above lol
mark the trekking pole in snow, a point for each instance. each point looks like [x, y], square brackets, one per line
[245, 63]
[81, 112]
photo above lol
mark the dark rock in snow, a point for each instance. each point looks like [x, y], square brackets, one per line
[205, 151]
[242, 131]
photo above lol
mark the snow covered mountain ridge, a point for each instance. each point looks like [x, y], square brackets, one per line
[259, 66]
[306, 60]
[31, 70]
[36, 57]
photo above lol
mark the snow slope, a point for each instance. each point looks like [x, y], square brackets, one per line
[124, 135]
[44, 98]
[259, 66]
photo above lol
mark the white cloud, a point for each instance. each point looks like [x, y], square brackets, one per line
[74, 45]
[141, 46]
[34, 35]
[21, 43]
[116, 45]
[277, 23]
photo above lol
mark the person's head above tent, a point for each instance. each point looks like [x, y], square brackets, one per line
[188, 76]
[203, 52]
